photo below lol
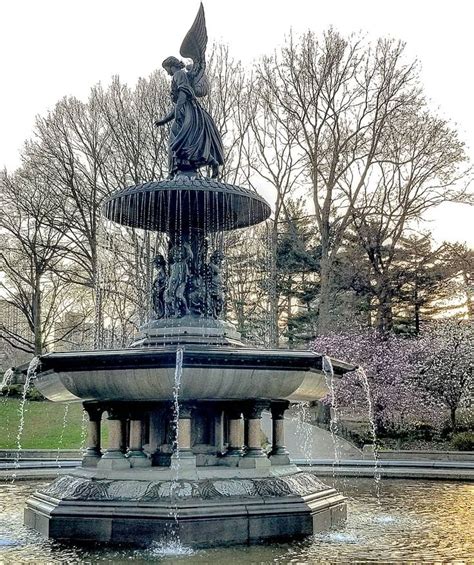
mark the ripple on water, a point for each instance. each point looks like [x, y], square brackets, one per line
[336, 537]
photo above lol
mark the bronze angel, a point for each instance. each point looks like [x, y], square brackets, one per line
[194, 139]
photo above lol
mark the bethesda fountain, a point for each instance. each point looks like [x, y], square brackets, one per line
[183, 404]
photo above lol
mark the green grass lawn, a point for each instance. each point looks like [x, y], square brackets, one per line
[45, 425]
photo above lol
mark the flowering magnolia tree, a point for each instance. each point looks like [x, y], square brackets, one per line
[447, 371]
[391, 365]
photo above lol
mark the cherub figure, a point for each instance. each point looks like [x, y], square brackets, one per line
[159, 286]
[215, 290]
[175, 297]
[194, 139]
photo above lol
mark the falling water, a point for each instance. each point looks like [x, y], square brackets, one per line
[61, 437]
[177, 385]
[304, 429]
[328, 371]
[373, 429]
[174, 542]
[7, 379]
[6, 382]
[84, 426]
[30, 375]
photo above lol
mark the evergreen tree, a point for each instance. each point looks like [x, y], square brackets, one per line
[297, 260]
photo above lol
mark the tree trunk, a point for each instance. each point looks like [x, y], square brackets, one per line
[325, 297]
[289, 327]
[273, 338]
[384, 312]
[417, 318]
[452, 411]
[37, 321]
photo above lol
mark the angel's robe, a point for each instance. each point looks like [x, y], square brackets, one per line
[194, 141]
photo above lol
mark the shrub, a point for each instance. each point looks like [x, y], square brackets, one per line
[463, 441]
[16, 391]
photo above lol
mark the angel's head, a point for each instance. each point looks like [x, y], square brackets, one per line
[172, 64]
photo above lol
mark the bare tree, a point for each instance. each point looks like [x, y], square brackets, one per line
[32, 251]
[246, 278]
[338, 97]
[418, 169]
[462, 258]
[272, 158]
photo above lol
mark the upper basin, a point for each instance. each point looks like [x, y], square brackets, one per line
[182, 204]
[148, 374]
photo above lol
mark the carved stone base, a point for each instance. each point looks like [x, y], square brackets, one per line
[187, 330]
[279, 459]
[113, 460]
[249, 462]
[210, 511]
[138, 459]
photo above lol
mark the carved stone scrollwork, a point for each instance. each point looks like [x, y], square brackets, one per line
[77, 488]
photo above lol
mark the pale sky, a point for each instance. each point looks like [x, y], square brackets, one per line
[53, 48]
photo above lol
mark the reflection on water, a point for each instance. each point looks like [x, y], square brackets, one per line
[416, 521]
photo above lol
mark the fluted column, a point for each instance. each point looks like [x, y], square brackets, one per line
[92, 453]
[255, 456]
[279, 454]
[114, 457]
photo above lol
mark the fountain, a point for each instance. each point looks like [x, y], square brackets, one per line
[185, 400]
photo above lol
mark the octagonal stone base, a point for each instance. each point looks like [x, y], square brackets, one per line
[211, 511]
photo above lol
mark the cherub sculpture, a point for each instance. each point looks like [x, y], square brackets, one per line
[215, 286]
[159, 286]
[175, 294]
[194, 139]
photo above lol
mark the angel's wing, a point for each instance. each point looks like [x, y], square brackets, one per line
[194, 47]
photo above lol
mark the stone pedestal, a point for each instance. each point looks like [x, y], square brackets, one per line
[114, 457]
[92, 454]
[255, 456]
[279, 454]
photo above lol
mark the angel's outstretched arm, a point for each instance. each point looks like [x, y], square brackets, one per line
[165, 119]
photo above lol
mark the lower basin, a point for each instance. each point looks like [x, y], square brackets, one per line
[148, 374]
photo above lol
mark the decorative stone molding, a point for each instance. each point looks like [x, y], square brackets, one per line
[74, 488]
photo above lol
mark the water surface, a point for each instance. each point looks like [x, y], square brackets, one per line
[421, 521]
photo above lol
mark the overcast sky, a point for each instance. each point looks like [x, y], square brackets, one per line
[53, 48]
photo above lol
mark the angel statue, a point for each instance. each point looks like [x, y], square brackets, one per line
[194, 140]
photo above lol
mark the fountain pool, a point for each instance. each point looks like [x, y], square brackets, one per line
[415, 521]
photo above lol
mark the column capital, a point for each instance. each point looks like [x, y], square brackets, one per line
[278, 409]
[253, 409]
[233, 412]
[94, 411]
[186, 410]
[115, 412]
[135, 414]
